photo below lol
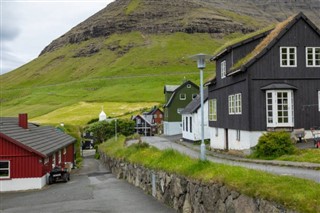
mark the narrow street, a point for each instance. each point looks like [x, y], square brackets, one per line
[91, 189]
[163, 143]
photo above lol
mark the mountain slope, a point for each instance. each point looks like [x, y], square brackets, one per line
[129, 50]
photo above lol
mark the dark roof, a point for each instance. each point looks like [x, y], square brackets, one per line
[195, 104]
[267, 43]
[43, 140]
[276, 86]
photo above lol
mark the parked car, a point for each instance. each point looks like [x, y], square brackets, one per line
[59, 174]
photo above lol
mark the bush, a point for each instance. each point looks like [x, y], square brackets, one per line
[273, 145]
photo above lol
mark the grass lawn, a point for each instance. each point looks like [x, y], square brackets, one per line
[80, 113]
[294, 193]
[304, 155]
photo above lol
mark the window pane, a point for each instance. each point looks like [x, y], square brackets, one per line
[4, 173]
[4, 164]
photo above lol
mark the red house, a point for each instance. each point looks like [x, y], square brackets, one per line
[28, 152]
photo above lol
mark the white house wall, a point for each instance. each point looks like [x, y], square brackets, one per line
[247, 139]
[18, 184]
[172, 128]
[195, 135]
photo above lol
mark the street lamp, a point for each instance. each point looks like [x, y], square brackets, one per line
[201, 62]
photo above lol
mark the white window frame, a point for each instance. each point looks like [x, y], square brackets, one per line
[313, 57]
[188, 86]
[213, 110]
[138, 121]
[319, 99]
[235, 104]
[64, 150]
[155, 116]
[5, 169]
[223, 68]
[275, 111]
[287, 59]
[183, 96]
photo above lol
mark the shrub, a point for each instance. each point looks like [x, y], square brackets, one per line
[274, 144]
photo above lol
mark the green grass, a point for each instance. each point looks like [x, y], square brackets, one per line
[135, 71]
[134, 4]
[305, 155]
[293, 193]
[80, 113]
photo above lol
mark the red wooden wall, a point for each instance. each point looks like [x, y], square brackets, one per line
[23, 164]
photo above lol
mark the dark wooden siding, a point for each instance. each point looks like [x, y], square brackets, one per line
[224, 120]
[232, 58]
[267, 70]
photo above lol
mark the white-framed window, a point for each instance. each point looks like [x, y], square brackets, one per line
[231, 104]
[138, 121]
[187, 124]
[183, 96]
[238, 103]
[319, 99]
[279, 106]
[155, 116]
[313, 56]
[64, 150]
[213, 110]
[288, 56]
[188, 86]
[235, 104]
[160, 115]
[59, 156]
[223, 68]
[4, 169]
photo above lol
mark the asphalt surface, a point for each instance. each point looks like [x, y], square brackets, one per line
[300, 170]
[91, 189]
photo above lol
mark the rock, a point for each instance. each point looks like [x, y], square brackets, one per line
[244, 204]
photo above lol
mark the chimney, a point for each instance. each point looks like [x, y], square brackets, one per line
[23, 120]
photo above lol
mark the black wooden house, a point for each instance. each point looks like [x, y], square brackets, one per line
[268, 82]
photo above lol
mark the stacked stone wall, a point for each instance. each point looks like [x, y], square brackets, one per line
[186, 195]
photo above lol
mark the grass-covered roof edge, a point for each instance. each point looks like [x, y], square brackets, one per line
[268, 42]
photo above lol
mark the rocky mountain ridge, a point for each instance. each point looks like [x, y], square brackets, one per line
[217, 17]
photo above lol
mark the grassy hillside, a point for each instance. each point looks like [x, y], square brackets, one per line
[128, 67]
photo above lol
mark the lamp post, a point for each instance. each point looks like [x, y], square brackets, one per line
[201, 62]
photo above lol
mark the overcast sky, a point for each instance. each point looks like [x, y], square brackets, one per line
[28, 26]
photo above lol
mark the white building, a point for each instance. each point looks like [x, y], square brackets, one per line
[191, 119]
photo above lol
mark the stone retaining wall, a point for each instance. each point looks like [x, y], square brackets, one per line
[186, 195]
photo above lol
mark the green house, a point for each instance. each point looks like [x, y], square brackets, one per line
[177, 97]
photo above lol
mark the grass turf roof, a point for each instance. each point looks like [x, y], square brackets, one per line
[242, 38]
[263, 44]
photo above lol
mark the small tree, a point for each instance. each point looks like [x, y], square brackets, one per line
[274, 144]
[104, 130]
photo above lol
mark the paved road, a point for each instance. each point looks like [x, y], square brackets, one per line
[91, 189]
[163, 143]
